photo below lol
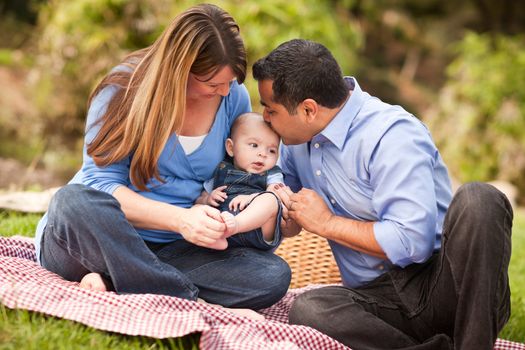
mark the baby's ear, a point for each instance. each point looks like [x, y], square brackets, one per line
[229, 147]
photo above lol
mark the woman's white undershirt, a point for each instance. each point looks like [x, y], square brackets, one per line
[191, 143]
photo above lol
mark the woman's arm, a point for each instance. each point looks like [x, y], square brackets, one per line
[201, 225]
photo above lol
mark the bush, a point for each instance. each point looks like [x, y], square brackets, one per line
[480, 124]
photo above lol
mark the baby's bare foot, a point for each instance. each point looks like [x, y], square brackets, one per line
[93, 281]
[231, 223]
[239, 312]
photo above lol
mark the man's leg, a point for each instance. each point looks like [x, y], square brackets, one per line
[88, 232]
[364, 319]
[460, 293]
[474, 261]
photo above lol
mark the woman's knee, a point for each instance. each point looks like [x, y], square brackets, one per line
[277, 275]
[75, 200]
[273, 281]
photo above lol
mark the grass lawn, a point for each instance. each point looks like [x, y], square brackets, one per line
[20, 329]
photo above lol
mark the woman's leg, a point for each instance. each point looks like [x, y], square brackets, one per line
[88, 232]
[236, 277]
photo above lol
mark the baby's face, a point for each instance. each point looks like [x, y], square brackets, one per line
[255, 148]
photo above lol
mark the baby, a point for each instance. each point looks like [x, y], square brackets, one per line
[241, 189]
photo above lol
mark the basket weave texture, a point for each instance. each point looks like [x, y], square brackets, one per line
[310, 259]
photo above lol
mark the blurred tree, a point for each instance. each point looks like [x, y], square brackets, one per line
[17, 18]
[399, 50]
[480, 122]
[79, 42]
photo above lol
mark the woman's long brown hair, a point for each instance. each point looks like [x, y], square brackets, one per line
[149, 106]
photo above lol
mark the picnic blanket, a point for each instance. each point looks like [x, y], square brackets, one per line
[26, 285]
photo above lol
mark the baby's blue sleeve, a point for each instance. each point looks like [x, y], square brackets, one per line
[275, 178]
[208, 185]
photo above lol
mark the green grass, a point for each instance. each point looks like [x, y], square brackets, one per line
[20, 329]
[28, 330]
[515, 328]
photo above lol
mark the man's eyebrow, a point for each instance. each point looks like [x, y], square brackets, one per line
[263, 103]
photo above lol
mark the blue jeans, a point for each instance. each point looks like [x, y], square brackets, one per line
[88, 232]
[458, 299]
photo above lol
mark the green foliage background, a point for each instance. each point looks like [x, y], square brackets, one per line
[460, 67]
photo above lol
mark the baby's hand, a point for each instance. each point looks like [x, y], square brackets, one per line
[241, 201]
[217, 196]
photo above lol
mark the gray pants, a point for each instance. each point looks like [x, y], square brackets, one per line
[458, 299]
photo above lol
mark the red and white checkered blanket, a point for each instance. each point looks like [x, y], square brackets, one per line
[26, 285]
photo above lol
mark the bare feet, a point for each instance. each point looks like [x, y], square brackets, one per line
[239, 312]
[231, 223]
[93, 281]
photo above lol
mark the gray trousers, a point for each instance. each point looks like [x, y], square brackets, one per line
[458, 299]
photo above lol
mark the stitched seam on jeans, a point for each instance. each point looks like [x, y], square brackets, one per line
[77, 256]
[500, 268]
[420, 309]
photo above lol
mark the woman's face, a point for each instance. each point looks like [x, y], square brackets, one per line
[202, 87]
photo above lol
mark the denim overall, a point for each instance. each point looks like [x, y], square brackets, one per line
[242, 182]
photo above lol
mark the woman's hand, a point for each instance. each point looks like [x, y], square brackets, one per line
[202, 225]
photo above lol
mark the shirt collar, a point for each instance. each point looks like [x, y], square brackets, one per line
[337, 130]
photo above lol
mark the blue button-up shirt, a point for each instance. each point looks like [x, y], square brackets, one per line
[375, 162]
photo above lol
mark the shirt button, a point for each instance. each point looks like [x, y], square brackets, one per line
[316, 145]
[332, 200]
[318, 173]
[381, 267]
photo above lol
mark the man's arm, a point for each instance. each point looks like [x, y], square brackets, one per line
[308, 210]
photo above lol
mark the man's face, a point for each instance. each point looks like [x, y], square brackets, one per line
[293, 129]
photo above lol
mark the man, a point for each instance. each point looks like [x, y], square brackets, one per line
[419, 270]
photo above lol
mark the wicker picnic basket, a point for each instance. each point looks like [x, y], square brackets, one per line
[310, 259]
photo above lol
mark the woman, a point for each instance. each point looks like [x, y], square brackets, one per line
[155, 131]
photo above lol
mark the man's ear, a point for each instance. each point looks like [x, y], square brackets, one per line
[310, 109]
[229, 147]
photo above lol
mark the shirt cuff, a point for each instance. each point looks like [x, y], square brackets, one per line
[388, 237]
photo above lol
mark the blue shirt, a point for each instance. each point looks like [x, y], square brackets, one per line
[375, 162]
[183, 175]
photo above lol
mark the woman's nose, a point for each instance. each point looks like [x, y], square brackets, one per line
[223, 89]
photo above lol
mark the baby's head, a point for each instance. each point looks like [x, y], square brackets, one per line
[253, 145]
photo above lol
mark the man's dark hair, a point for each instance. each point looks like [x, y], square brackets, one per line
[302, 69]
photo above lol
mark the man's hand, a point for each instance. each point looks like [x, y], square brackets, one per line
[306, 208]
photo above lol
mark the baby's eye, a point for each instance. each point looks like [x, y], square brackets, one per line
[253, 145]
[273, 151]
